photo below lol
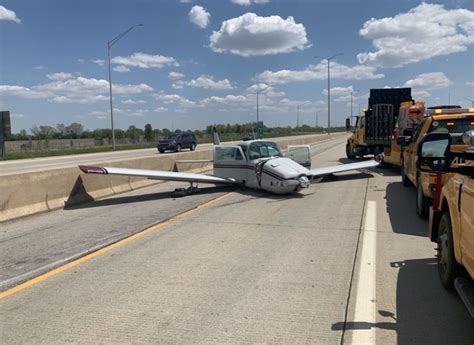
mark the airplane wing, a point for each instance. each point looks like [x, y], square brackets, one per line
[343, 167]
[156, 174]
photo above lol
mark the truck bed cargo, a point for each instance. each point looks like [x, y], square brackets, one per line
[382, 114]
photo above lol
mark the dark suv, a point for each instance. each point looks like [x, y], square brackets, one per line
[177, 141]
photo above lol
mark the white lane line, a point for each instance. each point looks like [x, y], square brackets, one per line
[365, 307]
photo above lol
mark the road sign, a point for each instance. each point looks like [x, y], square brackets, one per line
[260, 129]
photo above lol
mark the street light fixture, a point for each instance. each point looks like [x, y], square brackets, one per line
[109, 45]
[329, 87]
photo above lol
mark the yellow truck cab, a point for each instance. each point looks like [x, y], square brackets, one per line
[443, 119]
[451, 222]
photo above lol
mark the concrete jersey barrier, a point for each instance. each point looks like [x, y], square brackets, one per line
[29, 193]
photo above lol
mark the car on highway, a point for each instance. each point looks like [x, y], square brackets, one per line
[454, 121]
[178, 141]
[452, 215]
[248, 136]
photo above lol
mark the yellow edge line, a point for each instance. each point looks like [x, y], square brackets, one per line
[104, 250]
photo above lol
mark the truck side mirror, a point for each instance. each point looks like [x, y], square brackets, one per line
[403, 141]
[433, 152]
[348, 124]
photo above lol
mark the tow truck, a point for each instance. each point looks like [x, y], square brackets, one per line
[451, 217]
[446, 119]
[390, 113]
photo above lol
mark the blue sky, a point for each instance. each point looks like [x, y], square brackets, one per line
[195, 63]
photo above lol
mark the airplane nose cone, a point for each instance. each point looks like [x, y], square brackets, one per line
[304, 182]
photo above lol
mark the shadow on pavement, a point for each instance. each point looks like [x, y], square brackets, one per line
[426, 313]
[400, 202]
[346, 177]
[139, 198]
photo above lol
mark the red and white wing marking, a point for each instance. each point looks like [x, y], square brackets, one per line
[343, 167]
[156, 174]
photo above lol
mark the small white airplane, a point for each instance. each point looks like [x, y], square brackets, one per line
[257, 164]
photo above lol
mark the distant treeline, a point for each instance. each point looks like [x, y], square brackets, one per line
[148, 133]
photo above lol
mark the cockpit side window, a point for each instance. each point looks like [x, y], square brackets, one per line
[263, 149]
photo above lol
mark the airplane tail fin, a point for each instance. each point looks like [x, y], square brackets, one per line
[215, 136]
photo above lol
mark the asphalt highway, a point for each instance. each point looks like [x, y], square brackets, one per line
[345, 261]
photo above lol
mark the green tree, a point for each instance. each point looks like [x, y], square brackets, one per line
[149, 135]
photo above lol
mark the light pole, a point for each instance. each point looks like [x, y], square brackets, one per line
[109, 45]
[317, 112]
[329, 87]
[258, 91]
[471, 100]
[298, 113]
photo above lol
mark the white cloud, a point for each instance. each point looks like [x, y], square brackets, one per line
[208, 82]
[59, 76]
[229, 100]
[6, 14]
[470, 83]
[265, 89]
[425, 31]
[160, 110]
[70, 89]
[175, 75]
[199, 16]
[137, 113]
[175, 99]
[39, 67]
[340, 94]
[420, 94]
[249, 2]
[81, 60]
[142, 60]
[319, 72]
[121, 69]
[131, 101]
[99, 62]
[250, 35]
[429, 81]
[18, 116]
[185, 1]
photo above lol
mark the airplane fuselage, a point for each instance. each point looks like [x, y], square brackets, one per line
[275, 174]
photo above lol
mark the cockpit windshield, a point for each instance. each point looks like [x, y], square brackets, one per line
[263, 149]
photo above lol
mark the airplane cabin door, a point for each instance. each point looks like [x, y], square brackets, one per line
[301, 154]
[230, 162]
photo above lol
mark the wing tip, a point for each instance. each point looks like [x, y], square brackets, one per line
[90, 169]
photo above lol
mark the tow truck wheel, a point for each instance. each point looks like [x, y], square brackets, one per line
[422, 202]
[405, 181]
[447, 265]
[349, 153]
